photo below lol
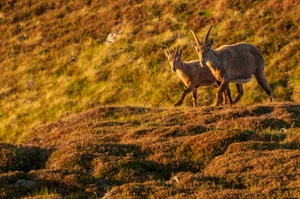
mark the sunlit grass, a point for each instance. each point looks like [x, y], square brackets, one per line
[55, 61]
[45, 193]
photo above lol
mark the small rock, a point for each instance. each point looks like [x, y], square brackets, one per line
[283, 130]
[25, 183]
[111, 38]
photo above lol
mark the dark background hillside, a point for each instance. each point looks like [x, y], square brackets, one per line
[54, 60]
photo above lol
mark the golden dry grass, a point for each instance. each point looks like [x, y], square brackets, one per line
[54, 60]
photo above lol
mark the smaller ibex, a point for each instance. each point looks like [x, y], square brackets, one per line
[232, 63]
[192, 75]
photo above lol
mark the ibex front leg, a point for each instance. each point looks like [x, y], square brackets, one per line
[223, 87]
[227, 96]
[195, 97]
[185, 92]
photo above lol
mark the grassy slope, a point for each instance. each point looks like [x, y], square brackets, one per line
[54, 62]
[137, 152]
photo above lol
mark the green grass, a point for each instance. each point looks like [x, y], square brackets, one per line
[45, 192]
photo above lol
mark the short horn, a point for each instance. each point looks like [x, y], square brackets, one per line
[168, 51]
[196, 38]
[207, 35]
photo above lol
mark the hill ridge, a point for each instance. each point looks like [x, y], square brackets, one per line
[108, 151]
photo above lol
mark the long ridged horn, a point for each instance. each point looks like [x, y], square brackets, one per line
[177, 49]
[207, 35]
[196, 38]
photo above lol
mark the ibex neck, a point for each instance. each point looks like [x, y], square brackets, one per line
[181, 67]
[182, 70]
[214, 62]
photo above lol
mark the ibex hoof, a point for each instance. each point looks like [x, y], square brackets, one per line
[177, 104]
[217, 104]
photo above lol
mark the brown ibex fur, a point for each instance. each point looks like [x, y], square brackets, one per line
[192, 75]
[232, 63]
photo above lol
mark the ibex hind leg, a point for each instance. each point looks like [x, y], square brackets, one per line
[240, 93]
[262, 81]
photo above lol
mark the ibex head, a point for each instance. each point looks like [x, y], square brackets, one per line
[203, 49]
[174, 58]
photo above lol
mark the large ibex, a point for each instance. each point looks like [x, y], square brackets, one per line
[232, 63]
[192, 75]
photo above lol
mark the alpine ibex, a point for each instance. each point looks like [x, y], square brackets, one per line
[232, 63]
[192, 75]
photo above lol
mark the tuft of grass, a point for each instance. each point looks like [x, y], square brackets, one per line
[45, 193]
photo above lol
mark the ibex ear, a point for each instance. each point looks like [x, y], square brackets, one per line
[180, 52]
[211, 42]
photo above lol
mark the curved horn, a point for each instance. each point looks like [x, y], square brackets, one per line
[207, 35]
[196, 38]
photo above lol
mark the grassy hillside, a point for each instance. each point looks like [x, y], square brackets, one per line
[137, 152]
[55, 61]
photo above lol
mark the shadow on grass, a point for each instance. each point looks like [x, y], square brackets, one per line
[21, 158]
